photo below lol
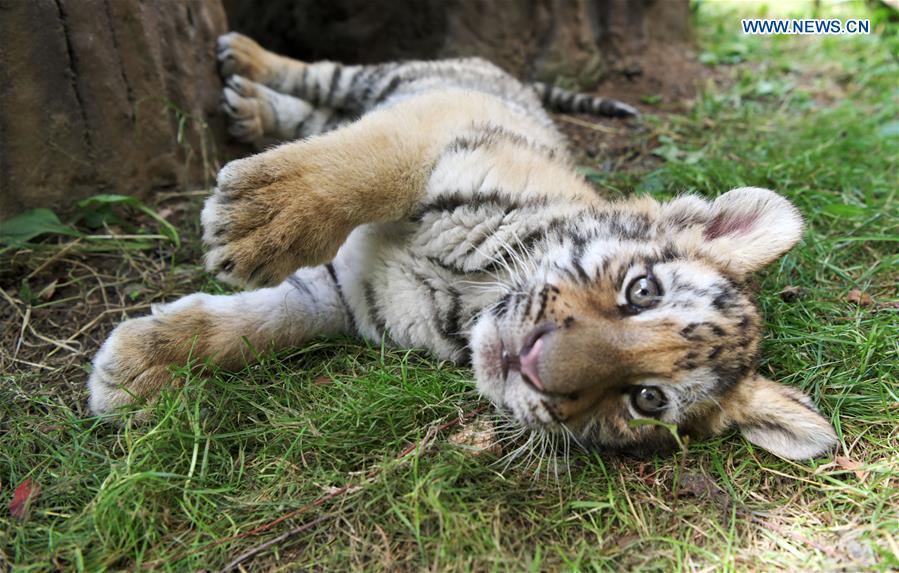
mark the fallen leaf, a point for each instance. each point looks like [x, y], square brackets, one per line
[860, 298]
[792, 293]
[855, 466]
[696, 485]
[648, 478]
[47, 292]
[25, 493]
[133, 290]
[47, 428]
[625, 541]
[824, 467]
[323, 381]
[699, 486]
[334, 490]
[478, 437]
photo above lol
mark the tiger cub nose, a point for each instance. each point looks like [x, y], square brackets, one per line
[529, 355]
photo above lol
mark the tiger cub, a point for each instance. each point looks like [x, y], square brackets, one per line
[434, 205]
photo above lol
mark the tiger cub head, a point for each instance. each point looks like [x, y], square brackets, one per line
[650, 318]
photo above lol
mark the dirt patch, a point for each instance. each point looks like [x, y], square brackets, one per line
[658, 80]
[609, 145]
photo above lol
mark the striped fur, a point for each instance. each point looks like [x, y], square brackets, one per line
[447, 216]
[562, 100]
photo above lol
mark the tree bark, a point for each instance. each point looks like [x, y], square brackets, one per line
[114, 96]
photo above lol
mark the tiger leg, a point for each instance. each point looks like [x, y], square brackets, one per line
[322, 84]
[294, 205]
[260, 115]
[133, 365]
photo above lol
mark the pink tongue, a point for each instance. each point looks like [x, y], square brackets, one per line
[529, 363]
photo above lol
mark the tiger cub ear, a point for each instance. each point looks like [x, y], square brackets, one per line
[750, 227]
[779, 419]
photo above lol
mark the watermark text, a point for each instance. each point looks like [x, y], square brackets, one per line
[811, 26]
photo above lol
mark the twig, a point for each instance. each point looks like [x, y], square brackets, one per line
[266, 526]
[57, 343]
[34, 364]
[234, 563]
[25, 320]
[11, 302]
[104, 313]
[56, 256]
[26, 324]
[93, 322]
[123, 237]
[165, 196]
[589, 125]
[389, 556]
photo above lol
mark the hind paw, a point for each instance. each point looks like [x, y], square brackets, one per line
[244, 107]
[240, 55]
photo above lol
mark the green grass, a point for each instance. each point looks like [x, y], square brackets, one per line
[814, 118]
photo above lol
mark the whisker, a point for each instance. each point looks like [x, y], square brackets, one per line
[540, 457]
[511, 437]
[530, 258]
[503, 263]
[516, 453]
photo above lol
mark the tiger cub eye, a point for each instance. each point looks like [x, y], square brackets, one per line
[648, 400]
[643, 292]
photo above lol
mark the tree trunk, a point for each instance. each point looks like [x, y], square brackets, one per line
[115, 96]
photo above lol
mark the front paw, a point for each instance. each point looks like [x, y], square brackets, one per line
[126, 370]
[269, 216]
